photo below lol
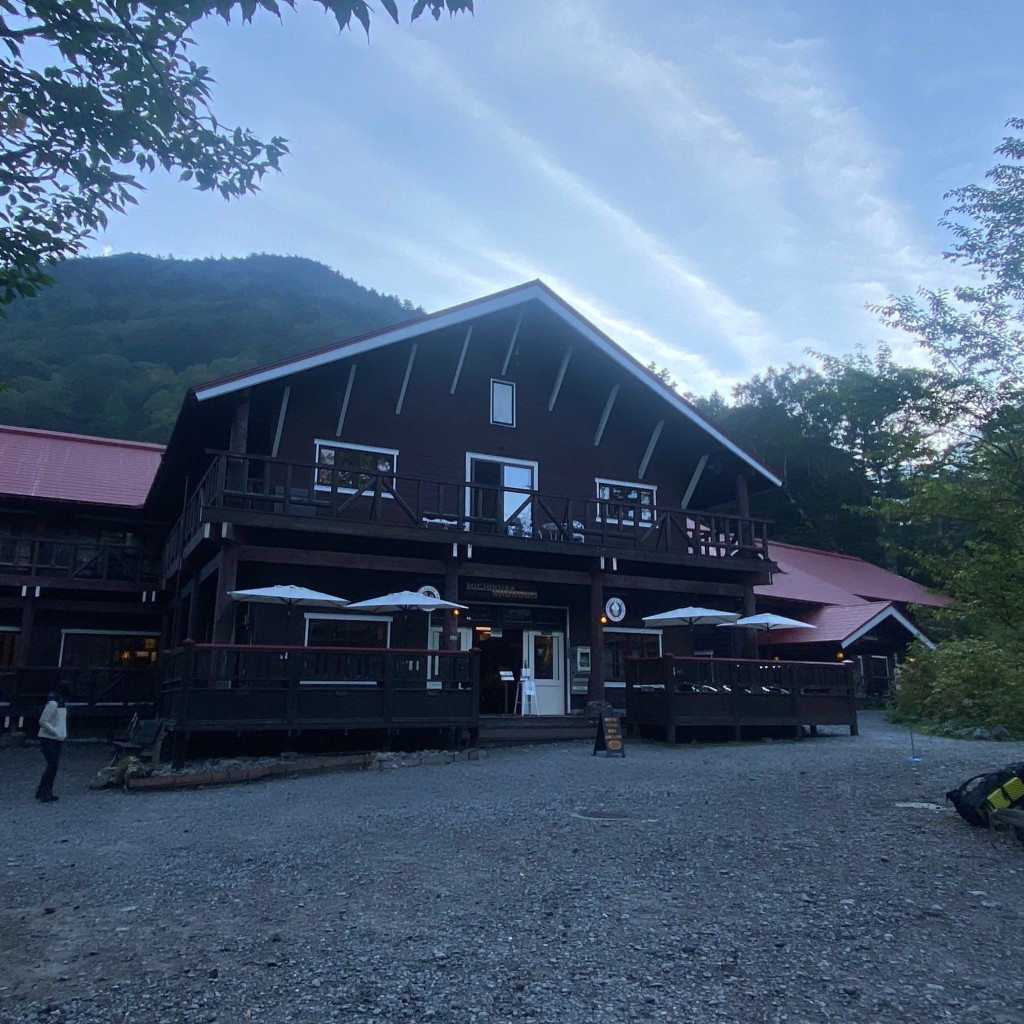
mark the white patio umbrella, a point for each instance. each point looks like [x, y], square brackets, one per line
[767, 621]
[404, 601]
[293, 597]
[691, 616]
[290, 596]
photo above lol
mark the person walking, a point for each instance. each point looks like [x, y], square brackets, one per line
[53, 731]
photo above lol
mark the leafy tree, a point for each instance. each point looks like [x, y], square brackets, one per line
[974, 501]
[845, 434]
[97, 91]
[975, 333]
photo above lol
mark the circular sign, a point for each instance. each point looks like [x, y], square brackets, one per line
[615, 609]
[430, 592]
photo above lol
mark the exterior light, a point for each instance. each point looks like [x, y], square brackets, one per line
[840, 656]
[604, 619]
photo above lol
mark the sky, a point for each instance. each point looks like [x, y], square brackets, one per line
[720, 187]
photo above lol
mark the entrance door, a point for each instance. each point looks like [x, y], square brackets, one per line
[544, 656]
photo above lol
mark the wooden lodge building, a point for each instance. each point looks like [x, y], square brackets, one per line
[503, 454]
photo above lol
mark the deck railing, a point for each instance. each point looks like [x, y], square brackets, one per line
[95, 692]
[77, 560]
[678, 692]
[334, 494]
[219, 687]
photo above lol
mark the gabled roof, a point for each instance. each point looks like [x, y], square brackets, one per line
[843, 625]
[532, 291]
[73, 467]
[824, 577]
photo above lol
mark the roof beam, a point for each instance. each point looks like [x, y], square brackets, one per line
[344, 401]
[558, 380]
[462, 359]
[512, 343]
[608, 406]
[655, 434]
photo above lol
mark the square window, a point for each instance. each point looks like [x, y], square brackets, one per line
[503, 403]
[624, 503]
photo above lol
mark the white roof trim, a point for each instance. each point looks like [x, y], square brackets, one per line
[471, 311]
[886, 613]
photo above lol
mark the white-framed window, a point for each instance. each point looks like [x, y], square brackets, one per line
[625, 503]
[621, 644]
[326, 630]
[353, 467]
[102, 648]
[503, 403]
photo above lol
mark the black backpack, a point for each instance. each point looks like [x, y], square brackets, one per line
[976, 798]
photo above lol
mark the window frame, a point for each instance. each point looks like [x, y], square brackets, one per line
[644, 509]
[320, 444]
[495, 381]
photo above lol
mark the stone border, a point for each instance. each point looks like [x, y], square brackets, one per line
[296, 768]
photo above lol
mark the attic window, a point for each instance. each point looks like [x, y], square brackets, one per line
[503, 403]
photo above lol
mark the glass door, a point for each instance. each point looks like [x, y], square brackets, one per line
[499, 497]
[544, 659]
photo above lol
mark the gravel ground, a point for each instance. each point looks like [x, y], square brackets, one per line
[761, 882]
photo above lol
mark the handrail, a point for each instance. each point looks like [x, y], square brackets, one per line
[78, 560]
[339, 494]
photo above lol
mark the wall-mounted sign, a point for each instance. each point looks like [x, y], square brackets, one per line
[504, 590]
[615, 609]
[430, 592]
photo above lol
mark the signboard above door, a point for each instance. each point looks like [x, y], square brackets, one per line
[503, 590]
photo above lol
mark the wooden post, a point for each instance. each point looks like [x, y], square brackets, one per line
[239, 442]
[224, 607]
[28, 619]
[595, 684]
[450, 621]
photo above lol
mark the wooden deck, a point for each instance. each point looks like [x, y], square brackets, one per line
[687, 695]
[499, 730]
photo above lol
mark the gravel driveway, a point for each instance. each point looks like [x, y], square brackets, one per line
[761, 882]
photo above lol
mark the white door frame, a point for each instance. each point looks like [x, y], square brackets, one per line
[550, 692]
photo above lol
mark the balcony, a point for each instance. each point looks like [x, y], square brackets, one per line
[82, 562]
[267, 492]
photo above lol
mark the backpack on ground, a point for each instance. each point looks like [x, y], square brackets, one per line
[979, 796]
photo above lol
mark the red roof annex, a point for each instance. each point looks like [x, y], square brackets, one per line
[73, 467]
[822, 577]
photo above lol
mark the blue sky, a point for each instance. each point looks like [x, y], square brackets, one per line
[718, 186]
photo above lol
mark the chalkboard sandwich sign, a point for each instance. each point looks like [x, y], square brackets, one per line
[609, 734]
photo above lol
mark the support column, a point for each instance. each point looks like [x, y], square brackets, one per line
[595, 684]
[28, 620]
[450, 630]
[224, 607]
[192, 619]
[239, 442]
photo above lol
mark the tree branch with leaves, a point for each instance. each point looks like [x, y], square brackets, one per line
[95, 92]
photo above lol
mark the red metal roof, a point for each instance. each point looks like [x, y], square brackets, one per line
[824, 577]
[839, 624]
[73, 467]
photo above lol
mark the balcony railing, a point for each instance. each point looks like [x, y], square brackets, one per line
[381, 500]
[76, 560]
[95, 692]
[215, 687]
[677, 692]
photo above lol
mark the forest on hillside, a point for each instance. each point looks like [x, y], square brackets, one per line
[113, 346]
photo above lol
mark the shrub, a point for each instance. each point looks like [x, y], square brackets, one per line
[962, 683]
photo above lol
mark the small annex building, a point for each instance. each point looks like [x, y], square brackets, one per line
[859, 610]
